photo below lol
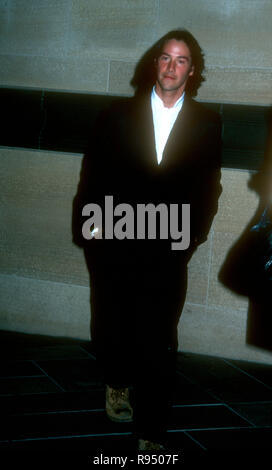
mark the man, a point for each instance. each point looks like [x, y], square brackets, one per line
[160, 148]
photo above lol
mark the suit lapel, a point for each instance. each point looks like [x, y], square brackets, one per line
[183, 133]
[144, 131]
[181, 136]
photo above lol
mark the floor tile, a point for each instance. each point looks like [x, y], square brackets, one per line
[182, 441]
[221, 380]
[53, 399]
[187, 393]
[235, 439]
[196, 417]
[52, 402]
[19, 385]
[73, 374]
[63, 424]
[51, 352]
[117, 444]
[261, 372]
[123, 444]
[259, 414]
[22, 346]
[107, 445]
[19, 368]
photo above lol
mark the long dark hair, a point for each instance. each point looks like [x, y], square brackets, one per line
[145, 72]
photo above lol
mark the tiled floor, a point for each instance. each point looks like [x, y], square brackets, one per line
[52, 398]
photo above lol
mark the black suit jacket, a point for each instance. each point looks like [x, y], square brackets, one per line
[121, 162]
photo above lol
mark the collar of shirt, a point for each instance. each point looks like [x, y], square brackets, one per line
[157, 101]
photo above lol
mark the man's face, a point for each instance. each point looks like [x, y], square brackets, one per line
[174, 66]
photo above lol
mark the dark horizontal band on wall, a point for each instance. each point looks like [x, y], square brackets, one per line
[61, 121]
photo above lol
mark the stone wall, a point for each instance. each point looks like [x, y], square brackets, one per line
[91, 46]
[44, 281]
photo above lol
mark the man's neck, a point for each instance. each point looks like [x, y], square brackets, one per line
[169, 98]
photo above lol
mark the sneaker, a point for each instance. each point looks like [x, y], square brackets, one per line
[118, 407]
[144, 444]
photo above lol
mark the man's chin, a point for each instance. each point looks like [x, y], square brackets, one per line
[169, 88]
[166, 86]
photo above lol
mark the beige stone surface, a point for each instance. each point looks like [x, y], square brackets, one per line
[71, 74]
[217, 332]
[237, 85]
[192, 321]
[85, 45]
[43, 307]
[198, 274]
[218, 295]
[34, 28]
[237, 204]
[112, 29]
[231, 32]
[37, 190]
[44, 282]
[120, 77]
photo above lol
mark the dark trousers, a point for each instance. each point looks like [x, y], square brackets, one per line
[135, 312]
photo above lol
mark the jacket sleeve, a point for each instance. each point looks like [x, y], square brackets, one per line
[93, 179]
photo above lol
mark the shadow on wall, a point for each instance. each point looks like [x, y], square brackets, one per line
[244, 270]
